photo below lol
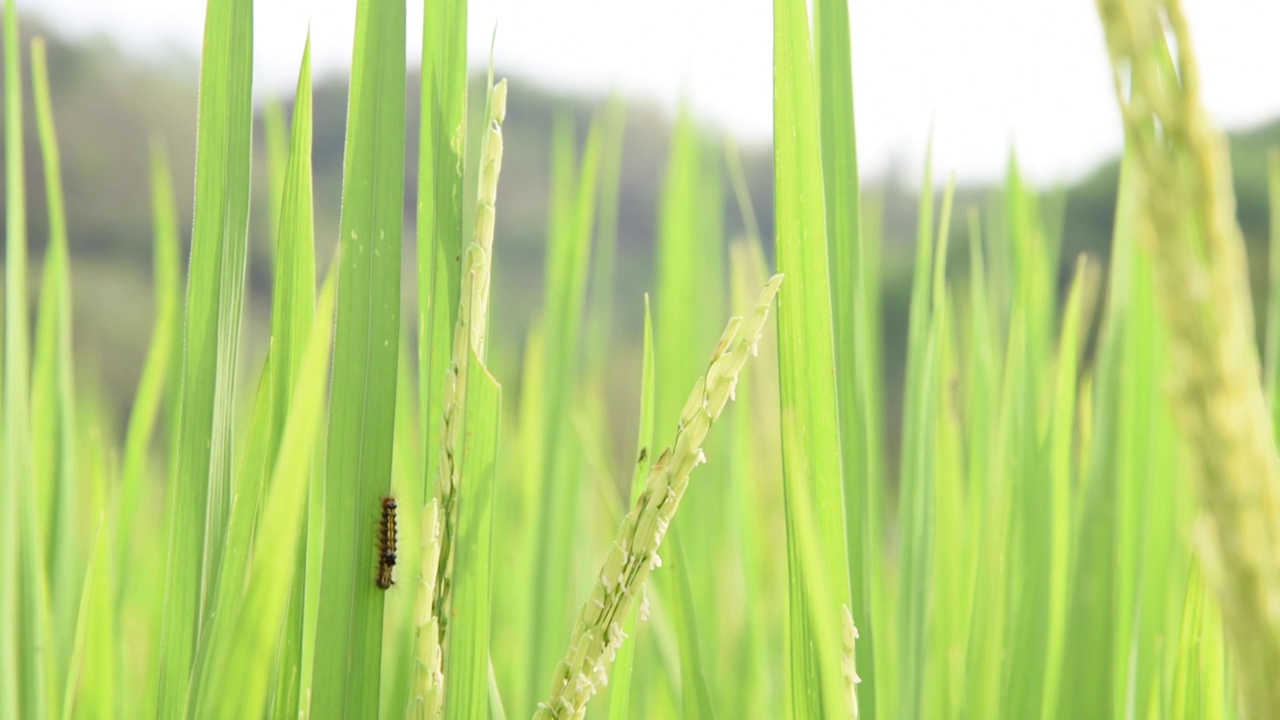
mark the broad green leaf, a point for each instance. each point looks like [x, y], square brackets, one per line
[603, 273]
[806, 367]
[1096, 608]
[399, 621]
[53, 392]
[158, 383]
[570, 229]
[27, 663]
[91, 594]
[690, 296]
[917, 503]
[467, 675]
[855, 343]
[231, 575]
[1273, 291]
[293, 304]
[239, 682]
[277, 151]
[442, 144]
[695, 694]
[200, 494]
[1062, 438]
[366, 344]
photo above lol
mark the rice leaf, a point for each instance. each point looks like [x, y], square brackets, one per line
[806, 362]
[570, 226]
[158, 381]
[53, 392]
[442, 145]
[89, 593]
[26, 636]
[199, 502]
[239, 681]
[695, 697]
[917, 502]
[366, 346]
[1062, 506]
[293, 304]
[603, 273]
[276, 140]
[467, 679]
[854, 343]
[1273, 291]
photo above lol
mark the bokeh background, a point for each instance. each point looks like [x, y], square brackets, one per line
[987, 82]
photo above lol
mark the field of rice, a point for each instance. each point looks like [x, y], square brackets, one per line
[1079, 516]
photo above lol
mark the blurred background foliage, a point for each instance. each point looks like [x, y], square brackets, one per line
[111, 104]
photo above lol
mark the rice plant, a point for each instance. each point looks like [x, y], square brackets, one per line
[1080, 519]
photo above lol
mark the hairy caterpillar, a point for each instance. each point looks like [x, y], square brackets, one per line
[386, 543]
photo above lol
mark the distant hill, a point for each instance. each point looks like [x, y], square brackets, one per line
[1090, 207]
[110, 106]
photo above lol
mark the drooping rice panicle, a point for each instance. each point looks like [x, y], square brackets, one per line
[597, 634]
[1202, 286]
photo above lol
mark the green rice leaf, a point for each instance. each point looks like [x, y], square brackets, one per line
[693, 682]
[159, 385]
[917, 503]
[241, 658]
[467, 675]
[442, 144]
[275, 131]
[1097, 617]
[158, 382]
[90, 594]
[806, 367]
[1061, 512]
[1273, 292]
[603, 274]
[399, 623]
[200, 498]
[293, 304]
[366, 345]
[691, 258]
[26, 677]
[250, 488]
[53, 393]
[570, 226]
[855, 343]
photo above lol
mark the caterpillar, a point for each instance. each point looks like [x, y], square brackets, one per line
[386, 543]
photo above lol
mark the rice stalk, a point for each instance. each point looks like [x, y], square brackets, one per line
[1203, 290]
[469, 334]
[598, 634]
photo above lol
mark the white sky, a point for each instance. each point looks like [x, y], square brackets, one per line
[989, 75]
